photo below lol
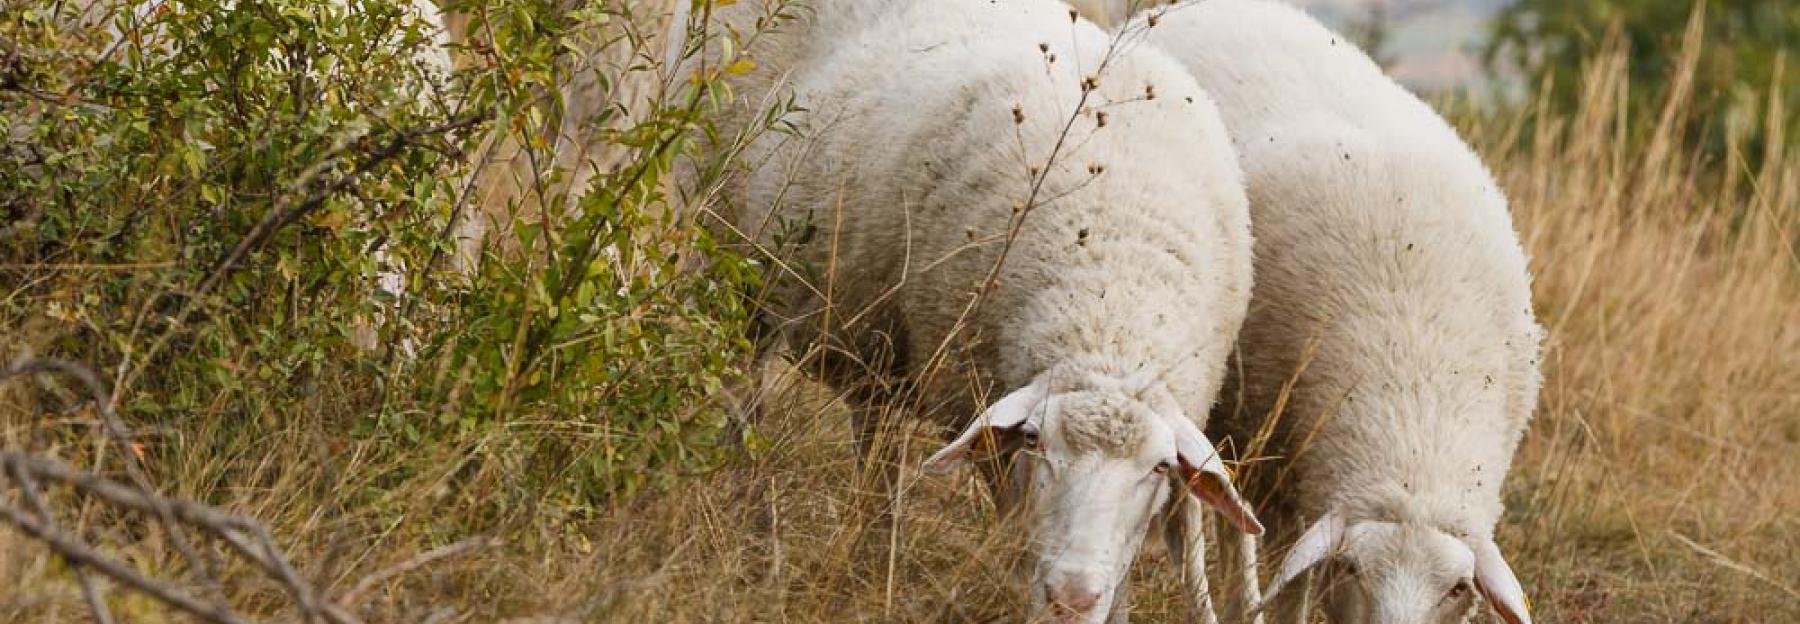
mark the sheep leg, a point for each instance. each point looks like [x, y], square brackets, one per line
[1292, 606]
[1251, 592]
[1302, 604]
[1185, 533]
[880, 441]
[1240, 604]
[389, 278]
[747, 399]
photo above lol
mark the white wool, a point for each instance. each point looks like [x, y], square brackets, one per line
[912, 166]
[1380, 234]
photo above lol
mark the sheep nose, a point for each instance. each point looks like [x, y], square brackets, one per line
[1072, 595]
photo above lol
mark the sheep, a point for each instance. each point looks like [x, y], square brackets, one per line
[931, 131]
[1385, 255]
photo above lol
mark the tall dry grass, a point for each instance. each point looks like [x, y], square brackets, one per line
[1660, 482]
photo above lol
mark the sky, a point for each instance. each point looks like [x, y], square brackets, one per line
[1435, 45]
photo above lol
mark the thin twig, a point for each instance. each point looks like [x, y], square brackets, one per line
[245, 535]
[353, 597]
[1033, 199]
[1729, 563]
[89, 592]
[80, 554]
[122, 436]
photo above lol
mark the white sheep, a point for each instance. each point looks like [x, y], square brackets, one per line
[1385, 249]
[929, 127]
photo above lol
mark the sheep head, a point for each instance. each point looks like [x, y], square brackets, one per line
[1402, 572]
[1091, 463]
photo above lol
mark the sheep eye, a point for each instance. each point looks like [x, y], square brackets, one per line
[1030, 437]
[1161, 468]
[1349, 568]
[1460, 589]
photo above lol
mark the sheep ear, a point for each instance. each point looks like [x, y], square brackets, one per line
[1003, 417]
[1206, 478]
[1320, 540]
[1496, 581]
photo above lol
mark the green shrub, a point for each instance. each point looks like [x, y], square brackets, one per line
[199, 199]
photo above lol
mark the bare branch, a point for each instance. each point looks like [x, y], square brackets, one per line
[89, 591]
[245, 535]
[123, 437]
[80, 554]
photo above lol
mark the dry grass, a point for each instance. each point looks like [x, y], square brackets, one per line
[1661, 481]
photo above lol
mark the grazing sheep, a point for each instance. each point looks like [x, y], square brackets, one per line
[1388, 269]
[930, 131]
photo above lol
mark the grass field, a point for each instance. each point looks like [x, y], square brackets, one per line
[1660, 481]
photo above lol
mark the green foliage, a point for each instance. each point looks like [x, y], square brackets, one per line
[201, 197]
[1745, 57]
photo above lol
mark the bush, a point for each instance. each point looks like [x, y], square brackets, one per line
[213, 199]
